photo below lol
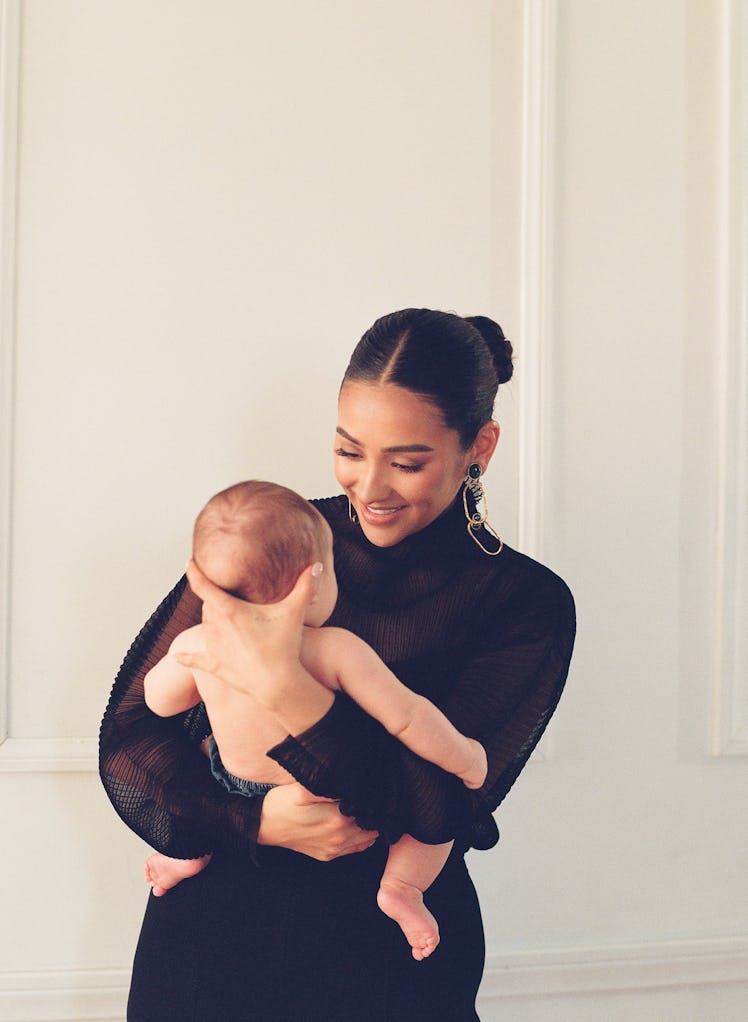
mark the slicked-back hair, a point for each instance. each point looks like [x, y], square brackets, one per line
[455, 362]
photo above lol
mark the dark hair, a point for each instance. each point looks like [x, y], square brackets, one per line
[455, 362]
[255, 538]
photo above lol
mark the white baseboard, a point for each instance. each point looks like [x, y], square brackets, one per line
[553, 972]
[85, 995]
[100, 995]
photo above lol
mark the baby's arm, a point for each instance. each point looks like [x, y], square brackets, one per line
[409, 717]
[169, 687]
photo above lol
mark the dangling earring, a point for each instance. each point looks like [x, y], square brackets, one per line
[352, 516]
[476, 512]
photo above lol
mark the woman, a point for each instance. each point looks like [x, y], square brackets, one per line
[284, 925]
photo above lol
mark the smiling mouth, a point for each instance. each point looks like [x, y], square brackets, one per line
[383, 511]
[380, 515]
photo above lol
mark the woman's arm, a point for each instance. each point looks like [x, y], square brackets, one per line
[152, 768]
[504, 694]
[506, 689]
[160, 782]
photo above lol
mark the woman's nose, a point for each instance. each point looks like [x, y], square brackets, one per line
[372, 485]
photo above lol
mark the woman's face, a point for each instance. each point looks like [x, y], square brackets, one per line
[397, 462]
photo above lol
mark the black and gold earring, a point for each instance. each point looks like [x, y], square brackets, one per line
[476, 513]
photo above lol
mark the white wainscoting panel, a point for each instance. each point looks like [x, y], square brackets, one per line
[9, 58]
[536, 271]
[731, 656]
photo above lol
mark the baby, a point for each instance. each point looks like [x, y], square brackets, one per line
[254, 540]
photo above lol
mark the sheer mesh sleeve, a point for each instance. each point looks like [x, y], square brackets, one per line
[504, 696]
[152, 768]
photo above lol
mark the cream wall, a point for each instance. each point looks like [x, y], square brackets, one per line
[204, 206]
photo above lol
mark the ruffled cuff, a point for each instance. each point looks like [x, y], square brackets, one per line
[347, 756]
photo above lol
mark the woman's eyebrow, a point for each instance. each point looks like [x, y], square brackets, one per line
[347, 436]
[396, 449]
[408, 449]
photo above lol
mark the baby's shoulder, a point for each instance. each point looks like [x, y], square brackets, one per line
[191, 639]
[328, 637]
[329, 648]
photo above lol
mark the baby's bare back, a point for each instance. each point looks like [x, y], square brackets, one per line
[244, 730]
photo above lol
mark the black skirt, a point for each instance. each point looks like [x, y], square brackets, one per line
[295, 940]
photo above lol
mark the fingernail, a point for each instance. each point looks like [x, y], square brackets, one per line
[317, 569]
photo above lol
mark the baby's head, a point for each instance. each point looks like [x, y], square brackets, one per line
[255, 538]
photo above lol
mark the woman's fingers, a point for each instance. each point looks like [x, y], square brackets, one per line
[294, 818]
[205, 590]
[195, 660]
[360, 842]
[304, 591]
[296, 601]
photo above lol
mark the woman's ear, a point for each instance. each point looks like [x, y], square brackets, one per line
[485, 443]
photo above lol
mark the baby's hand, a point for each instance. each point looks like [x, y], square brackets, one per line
[475, 776]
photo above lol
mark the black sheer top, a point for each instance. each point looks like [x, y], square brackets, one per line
[488, 639]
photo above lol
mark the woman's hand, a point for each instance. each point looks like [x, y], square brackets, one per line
[255, 648]
[294, 818]
[240, 637]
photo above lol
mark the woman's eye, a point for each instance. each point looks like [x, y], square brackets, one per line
[408, 468]
[346, 454]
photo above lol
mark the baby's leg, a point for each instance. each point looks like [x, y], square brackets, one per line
[411, 869]
[163, 873]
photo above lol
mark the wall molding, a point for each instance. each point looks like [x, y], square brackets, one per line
[9, 87]
[48, 755]
[730, 696]
[536, 302]
[85, 995]
[16, 754]
[608, 970]
[536, 263]
[100, 995]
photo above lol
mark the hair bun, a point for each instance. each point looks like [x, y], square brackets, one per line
[498, 345]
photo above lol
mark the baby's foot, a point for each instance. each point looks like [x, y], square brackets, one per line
[404, 903]
[163, 873]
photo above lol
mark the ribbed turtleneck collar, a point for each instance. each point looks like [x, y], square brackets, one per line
[389, 576]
